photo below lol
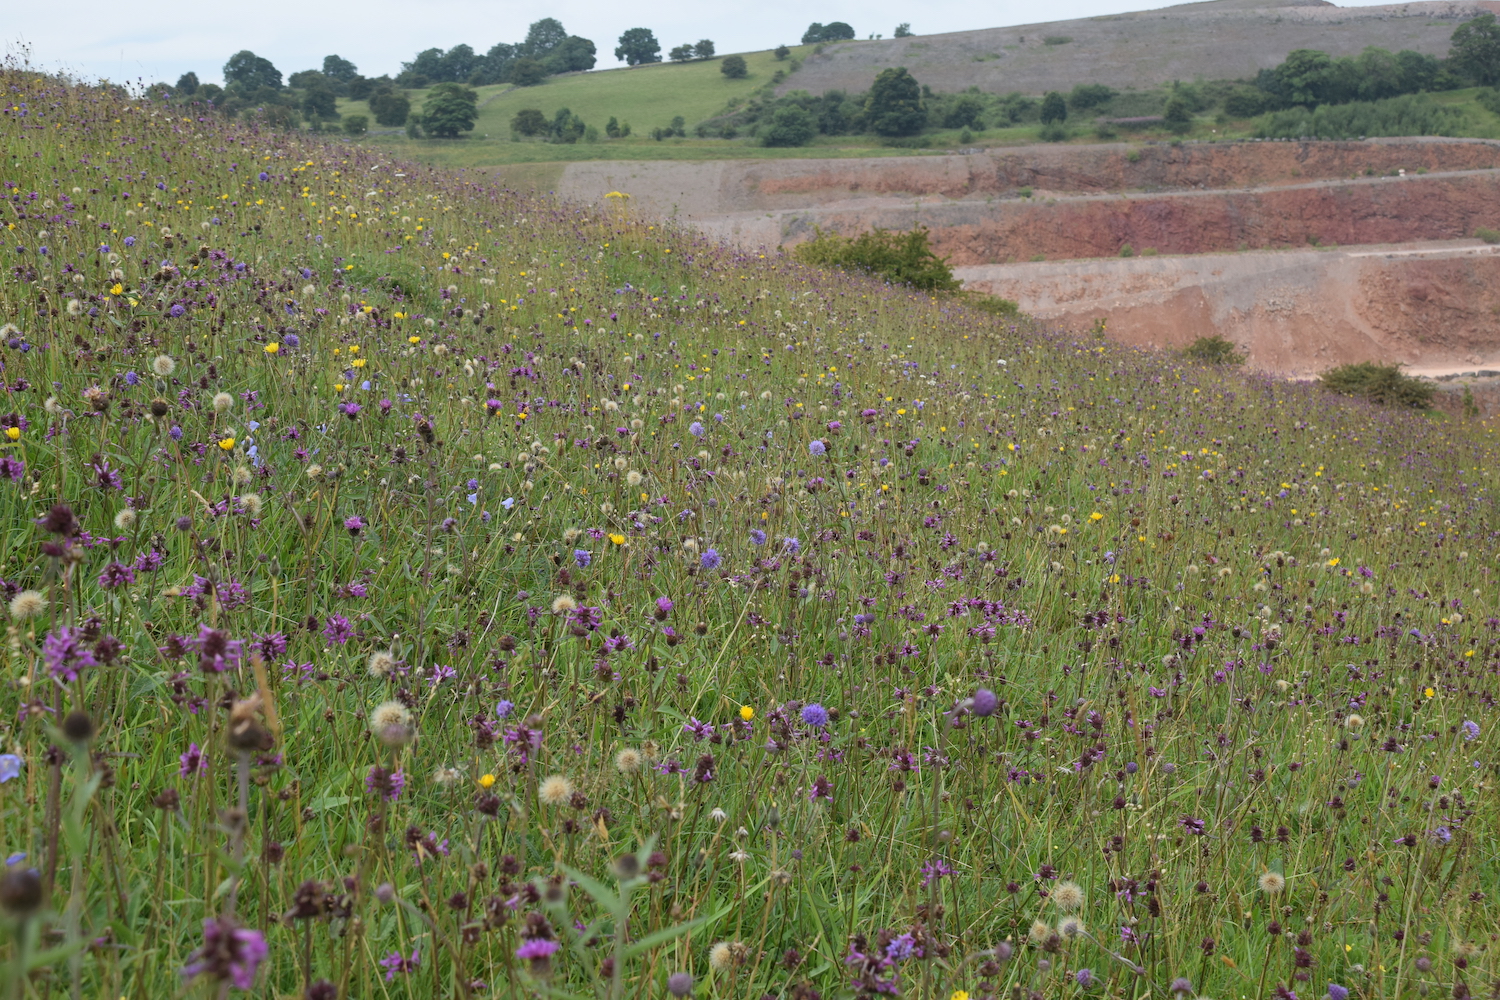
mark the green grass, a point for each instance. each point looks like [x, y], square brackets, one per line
[371, 469]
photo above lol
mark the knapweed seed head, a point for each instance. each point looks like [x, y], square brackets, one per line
[563, 603]
[382, 663]
[725, 956]
[163, 366]
[223, 402]
[1067, 896]
[27, 604]
[555, 790]
[628, 761]
[1271, 883]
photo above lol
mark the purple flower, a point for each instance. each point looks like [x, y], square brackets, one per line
[696, 429]
[217, 653]
[1084, 976]
[228, 952]
[821, 790]
[1337, 992]
[379, 781]
[354, 525]
[350, 410]
[10, 767]
[583, 557]
[116, 574]
[700, 730]
[537, 948]
[504, 708]
[663, 606]
[935, 869]
[757, 537]
[177, 310]
[984, 702]
[902, 947]
[710, 559]
[394, 963]
[1471, 730]
[816, 447]
[65, 654]
[264, 176]
[338, 630]
[291, 340]
[815, 715]
[791, 545]
[193, 762]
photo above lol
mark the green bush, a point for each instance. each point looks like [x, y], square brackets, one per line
[1053, 133]
[356, 124]
[993, 304]
[900, 258]
[734, 68]
[1410, 114]
[1213, 351]
[1384, 384]
[1487, 234]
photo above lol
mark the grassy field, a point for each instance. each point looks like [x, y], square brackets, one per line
[419, 589]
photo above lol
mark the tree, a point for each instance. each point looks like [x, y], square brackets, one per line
[457, 64]
[638, 46]
[529, 121]
[903, 30]
[1475, 49]
[837, 31]
[320, 100]
[390, 108]
[356, 125]
[571, 55]
[495, 67]
[450, 108]
[894, 106]
[1089, 95]
[425, 65]
[734, 67]
[704, 49]
[814, 33]
[526, 72]
[187, 84]
[249, 71]
[1177, 115]
[781, 52]
[339, 69]
[790, 126]
[681, 53]
[1054, 108]
[542, 37]
[567, 127]
[1305, 77]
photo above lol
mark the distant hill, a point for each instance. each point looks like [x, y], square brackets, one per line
[1220, 39]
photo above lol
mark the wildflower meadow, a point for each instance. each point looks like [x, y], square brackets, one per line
[417, 588]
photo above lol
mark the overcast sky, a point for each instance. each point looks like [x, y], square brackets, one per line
[95, 39]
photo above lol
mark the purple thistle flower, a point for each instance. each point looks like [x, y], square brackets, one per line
[821, 790]
[354, 525]
[386, 783]
[394, 963]
[217, 653]
[228, 952]
[116, 574]
[338, 630]
[1084, 976]
[65, 654]
[193, 762]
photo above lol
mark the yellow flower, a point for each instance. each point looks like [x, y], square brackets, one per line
[617, 539]
[1429, 693]
[747, 713]
[960, 995]
[1096, 516]
[486, 781]
[353, 348]
[272, 347]
[413, 340]
[358, 362]
[117, 289]
[14, 433]
[227, 444]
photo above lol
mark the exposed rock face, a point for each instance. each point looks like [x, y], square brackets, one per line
[1300, 311]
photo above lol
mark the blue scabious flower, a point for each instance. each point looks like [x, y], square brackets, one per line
[815, 715]
[816, 447]
[757, 537]
[792, 545]
[582, 557]
[10, 767]
[695, 429]
[710, 559]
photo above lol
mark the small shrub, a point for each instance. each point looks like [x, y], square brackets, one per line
[360, 124]
[900, 258]
[1126, 250]
[734, 68]
[1213, 351]
[1383, 384]
[1149, 252]
[1057, 39]
[1056, 132]
[993, 304]
[1487, 234]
